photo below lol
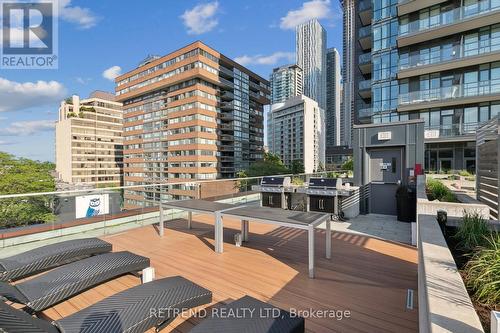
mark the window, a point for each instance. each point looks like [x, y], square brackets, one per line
[385, 65]
[385, 96]
[383, 9]
[470, 115]
[384, 35]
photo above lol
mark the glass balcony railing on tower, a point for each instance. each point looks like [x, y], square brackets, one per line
[365, 11]
[444, 53]
[365, 37]
[365, 58]
[440, 18]
[365, 63]
[365, 88]
[472, 89]
[451, 130]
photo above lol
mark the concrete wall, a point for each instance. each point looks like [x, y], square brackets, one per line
[444, 304]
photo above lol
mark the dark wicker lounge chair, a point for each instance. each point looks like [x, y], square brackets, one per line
[52, 287]
[262, 318]
[133, 310]
[50, 256]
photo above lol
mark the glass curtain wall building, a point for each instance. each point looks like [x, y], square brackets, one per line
[311, 57]
[286, 82]
[435, 60]
[333, 96]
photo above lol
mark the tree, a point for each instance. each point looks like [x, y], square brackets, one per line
[22, 175]
[297, 167]
[270, 165]
[348, 165]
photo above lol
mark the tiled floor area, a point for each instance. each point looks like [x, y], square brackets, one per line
[376, 225]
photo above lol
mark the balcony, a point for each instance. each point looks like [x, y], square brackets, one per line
[226, 137]
[457, 20]
[365, 113]
[365, 37]
[226, 127]
[226, 105]
[450, 133]
[475, 92]
[365, 63]
[226, 96]
[226, 115]
[446, 59]
[365, 88]
[365, 11]
[410, 6]
[226, 147]
[226, 71]
[226, 83]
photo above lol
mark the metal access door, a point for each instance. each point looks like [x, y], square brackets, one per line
[386, 170]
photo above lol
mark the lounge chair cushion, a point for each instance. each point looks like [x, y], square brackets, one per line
[63, 282]
[263, 319]
[17, 321]
[137, 309]
[49, 256]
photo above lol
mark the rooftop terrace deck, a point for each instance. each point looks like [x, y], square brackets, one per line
[367, 276]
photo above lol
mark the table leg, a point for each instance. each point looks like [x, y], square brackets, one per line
[160, 227]
[336, 205]
[328, 239]
[244, 230]
[311, 251]
[190, 219]
[219, 231]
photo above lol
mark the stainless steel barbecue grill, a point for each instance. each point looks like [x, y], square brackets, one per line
[323, 195]
[275, 191]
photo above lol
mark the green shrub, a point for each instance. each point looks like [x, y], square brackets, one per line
[464, 173]
[436, 189]
[449, 197]
[472, 232]
[333, 174]
[348, 165]
[482, 273]
[297, 181]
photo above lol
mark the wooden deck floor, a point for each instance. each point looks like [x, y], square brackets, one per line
[366, 276]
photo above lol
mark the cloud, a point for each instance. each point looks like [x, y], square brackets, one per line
[6, 143]
[15, 96]
[315, 9]
[272, 59]
[83, 17]
[200, 19]
[112, 72]
[83, 80]
[30, 127]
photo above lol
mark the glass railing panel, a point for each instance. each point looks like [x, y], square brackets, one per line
[365, 32]
[453, 130]
[365, 5]
[365, 58]
[447, 54]
[365, 85]
[472, 89]
[58, 216]
[452, 16]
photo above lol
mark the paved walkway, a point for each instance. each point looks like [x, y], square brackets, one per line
[377, 225]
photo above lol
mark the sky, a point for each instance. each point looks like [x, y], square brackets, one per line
[100, 39]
